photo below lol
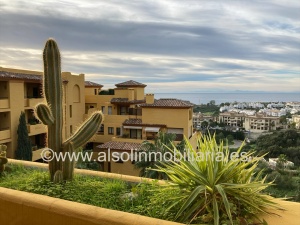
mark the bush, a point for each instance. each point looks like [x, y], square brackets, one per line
[215, 191]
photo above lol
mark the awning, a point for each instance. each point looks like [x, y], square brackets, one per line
[132, 127]
[152, 129]
[175, 130]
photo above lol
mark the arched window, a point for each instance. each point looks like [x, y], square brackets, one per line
[76, 93]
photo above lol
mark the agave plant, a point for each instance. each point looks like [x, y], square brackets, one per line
[216, 186]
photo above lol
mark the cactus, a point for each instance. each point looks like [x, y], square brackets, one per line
[3, 159]
[51, 114]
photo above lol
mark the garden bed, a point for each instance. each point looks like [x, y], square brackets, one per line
[117, 194]
[96, 189]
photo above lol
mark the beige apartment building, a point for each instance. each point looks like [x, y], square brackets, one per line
[232, 119]
[261, 123]
[20, 91]
[257, 123]
[131, 116]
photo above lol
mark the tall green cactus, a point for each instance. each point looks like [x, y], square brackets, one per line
[51, 114]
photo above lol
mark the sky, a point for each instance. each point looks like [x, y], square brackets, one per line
[173, 46]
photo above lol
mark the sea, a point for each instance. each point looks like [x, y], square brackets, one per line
[204, 98]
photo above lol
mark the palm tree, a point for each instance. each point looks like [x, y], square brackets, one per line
[153, 154]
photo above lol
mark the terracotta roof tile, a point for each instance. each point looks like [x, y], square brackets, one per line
[125, 100]
[23, 76]
[20, 76]
[139, 122]
[131, 83]
[132, 122]
[92, 84]
[169, 103]
[115, 145]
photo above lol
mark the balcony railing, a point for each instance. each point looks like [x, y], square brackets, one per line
[133, 111]
[4, 103]
[4, 133]
[32, 102]
[36, 129]
[36, 154]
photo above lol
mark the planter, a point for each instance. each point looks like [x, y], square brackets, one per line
[17, 207]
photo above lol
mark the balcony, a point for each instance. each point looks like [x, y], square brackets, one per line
[36, 154]
[32, 102]
[4, 133]
[36, 129]
[4, 103]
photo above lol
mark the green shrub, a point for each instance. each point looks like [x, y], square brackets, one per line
[215, 191]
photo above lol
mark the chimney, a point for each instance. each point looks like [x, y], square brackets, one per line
[149, 98]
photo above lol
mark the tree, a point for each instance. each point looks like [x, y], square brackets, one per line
[204, 124]
[155, 155]
[212, 102]
[24, 148]
[230, 139]
[282, 159]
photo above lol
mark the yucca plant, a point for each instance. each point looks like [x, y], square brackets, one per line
[214, 187]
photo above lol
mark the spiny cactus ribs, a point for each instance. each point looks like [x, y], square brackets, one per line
[51, 114]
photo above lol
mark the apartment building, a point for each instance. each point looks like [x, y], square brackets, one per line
[20, 91]
[232, 119]
[131, 117]
[296, 120]
[260, 123]
[198, 118]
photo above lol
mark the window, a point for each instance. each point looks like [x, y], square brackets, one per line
[109, 110]
[123, 110]
[70, 111]
[110, 130]
[118, 131]
[103, 109]
[71, 129]
[135, 134]
[101, 129]
[76, 93]
[95, 91]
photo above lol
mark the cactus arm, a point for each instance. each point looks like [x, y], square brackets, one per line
[44, 114]
[58, 177]
[86, 130]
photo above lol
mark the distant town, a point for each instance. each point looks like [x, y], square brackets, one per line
[251, 117]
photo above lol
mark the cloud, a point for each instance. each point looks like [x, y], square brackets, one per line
[171, 44]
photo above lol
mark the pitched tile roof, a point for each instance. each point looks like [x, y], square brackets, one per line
[131, 83]
[168, 103]
[20, 76]
[125, 100]
[125, 146]
[92, 84]
[139, 122]
[132, 122]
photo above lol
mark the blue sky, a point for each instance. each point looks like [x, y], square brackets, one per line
[170, 45]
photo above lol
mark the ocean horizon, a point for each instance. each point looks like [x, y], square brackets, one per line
[204, 98]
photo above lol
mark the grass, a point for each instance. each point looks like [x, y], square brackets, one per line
[142, 198]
